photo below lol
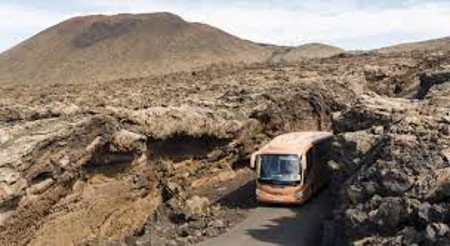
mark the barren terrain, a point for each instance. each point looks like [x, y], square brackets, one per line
[157, 159]
[103, 48]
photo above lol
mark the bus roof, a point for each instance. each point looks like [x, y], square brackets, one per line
[294, 142]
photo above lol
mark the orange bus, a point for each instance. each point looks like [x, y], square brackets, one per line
[292, 167]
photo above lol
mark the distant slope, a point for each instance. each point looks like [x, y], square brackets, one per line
[311, 50]
[440, 44]
[101, 48]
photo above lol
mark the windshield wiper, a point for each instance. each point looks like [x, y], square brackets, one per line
[278, 182]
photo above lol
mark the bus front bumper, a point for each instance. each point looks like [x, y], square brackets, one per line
[292, 198]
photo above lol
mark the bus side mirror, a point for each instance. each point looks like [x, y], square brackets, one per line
[252, 161]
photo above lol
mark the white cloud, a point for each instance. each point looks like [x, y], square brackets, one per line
[285, 23]
[14, 17]
[284, 26]
[18, 23]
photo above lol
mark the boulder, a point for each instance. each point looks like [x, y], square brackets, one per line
[434, 231]
[395, 182]
[40, 187]
[4, 136]
[126, 141]
[424, 212]
[197, 206]
[363, 140]
[410, 236]
[355, 193]
[95, 144]
[390, 214]
[356, 217]
[440, 188]
[218, 224]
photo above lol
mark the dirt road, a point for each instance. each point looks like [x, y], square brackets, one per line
[278, 225]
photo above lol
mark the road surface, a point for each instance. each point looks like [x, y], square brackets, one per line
[278, 225]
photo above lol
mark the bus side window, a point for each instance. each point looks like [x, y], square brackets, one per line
[326, 150]
[317, 154]
[310, 159]
[323, 152]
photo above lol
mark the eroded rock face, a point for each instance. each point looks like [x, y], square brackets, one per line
[70, 180]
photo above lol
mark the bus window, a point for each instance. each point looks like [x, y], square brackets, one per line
[311, 161]
[279, 168]
[323, 152]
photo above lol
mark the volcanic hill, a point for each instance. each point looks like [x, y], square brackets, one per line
[100, 48]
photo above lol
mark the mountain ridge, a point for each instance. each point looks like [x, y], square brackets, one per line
[92, 48]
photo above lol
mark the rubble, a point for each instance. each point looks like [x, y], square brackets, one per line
[399, 197]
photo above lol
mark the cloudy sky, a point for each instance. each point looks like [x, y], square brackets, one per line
[351, 24]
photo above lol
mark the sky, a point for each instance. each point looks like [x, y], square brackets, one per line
[349, 24]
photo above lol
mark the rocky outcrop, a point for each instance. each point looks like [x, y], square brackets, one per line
[399, 195]
[427, 81]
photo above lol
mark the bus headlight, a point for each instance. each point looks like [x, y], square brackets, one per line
[258, 192]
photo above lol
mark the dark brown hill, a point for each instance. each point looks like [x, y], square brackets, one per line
[97, 48]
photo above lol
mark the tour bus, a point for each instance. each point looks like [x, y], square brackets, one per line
[292, 167]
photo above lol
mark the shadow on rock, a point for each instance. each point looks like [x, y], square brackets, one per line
[243, 197]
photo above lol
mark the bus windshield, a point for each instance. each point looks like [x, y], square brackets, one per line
[279, 167]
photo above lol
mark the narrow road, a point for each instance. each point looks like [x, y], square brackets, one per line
[278, 225]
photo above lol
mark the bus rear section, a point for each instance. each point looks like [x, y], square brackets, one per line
[292, 167]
